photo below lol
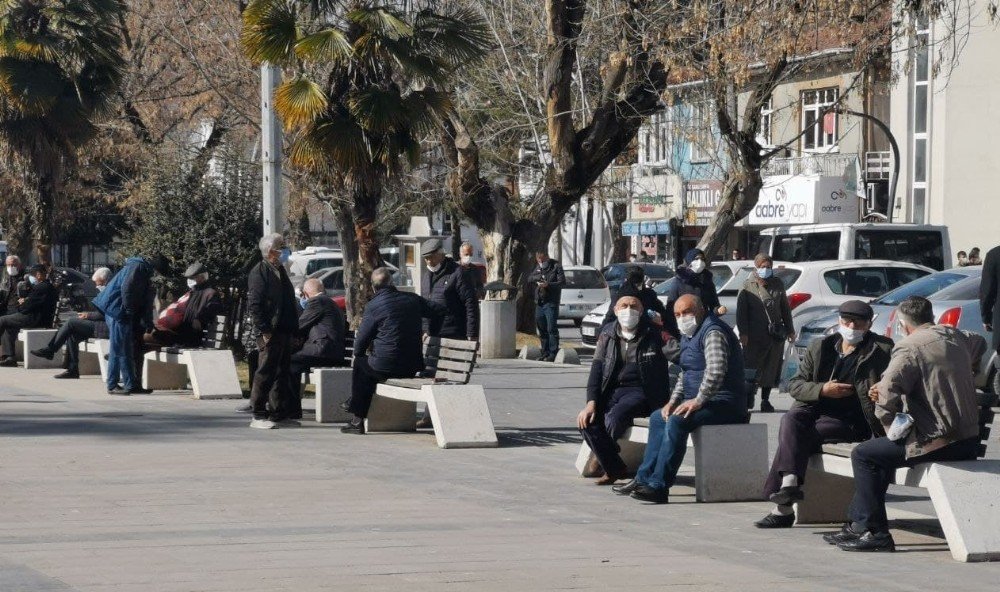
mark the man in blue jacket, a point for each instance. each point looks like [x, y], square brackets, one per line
[388, 343]
[127, 305]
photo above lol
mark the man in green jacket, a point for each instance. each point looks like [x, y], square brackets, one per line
[831, 405]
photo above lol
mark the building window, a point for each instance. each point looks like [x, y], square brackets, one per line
[920, 122]
[821, 129]
[655, 140]
[701, 144]
[766, 116]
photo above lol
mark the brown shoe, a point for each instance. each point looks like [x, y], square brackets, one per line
[606, 480]
[593, 468]
[424, 422]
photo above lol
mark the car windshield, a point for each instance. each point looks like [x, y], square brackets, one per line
[585, 279]
[967, 289]
[318, 264]
[658, 272]
[924, 287]
[787, 275]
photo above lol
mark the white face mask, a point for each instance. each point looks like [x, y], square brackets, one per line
[628, 318]
[688, 324]
[433, 268]
[32, 280]
[697, 266]
[101, 288]
[191, 284]
[851, 336]
[467, 259]
[11, 270]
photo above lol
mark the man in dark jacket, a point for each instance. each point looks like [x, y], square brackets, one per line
[200, 306]
[628, 378]
[388, 343]
[831, 405]
[127, 306]
[989, 292]
[696, 279]
[322, 329]
[446, 283]
[13, 274]
[634, 284]
[86, 325]
[549, 280]
[275, 314]
[35, 311]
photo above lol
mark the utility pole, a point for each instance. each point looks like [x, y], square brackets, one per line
[271, 149]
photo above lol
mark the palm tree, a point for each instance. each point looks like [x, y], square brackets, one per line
[60, 65]
[362, 91]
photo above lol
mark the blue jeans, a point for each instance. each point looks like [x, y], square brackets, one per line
[120, 359]
[547, 317]
[667, 441]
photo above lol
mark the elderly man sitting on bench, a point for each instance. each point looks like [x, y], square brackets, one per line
[711, 390]
[84, 326]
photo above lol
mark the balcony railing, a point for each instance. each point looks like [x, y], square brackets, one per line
[827, 165]
[878, 166]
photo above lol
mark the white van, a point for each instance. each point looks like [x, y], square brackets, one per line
[922, 244]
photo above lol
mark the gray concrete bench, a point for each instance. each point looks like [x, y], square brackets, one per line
[210, 370]
[332, 386]
[458, 409]
[964, 494]
[32, 339]
[730, 461]
[92, 360]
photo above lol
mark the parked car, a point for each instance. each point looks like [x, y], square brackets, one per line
[656, 273]
[333, 280]
[308, 261]
[585, 288]
[722, 275]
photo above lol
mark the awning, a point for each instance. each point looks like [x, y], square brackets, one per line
[630, 228]
[646, 227]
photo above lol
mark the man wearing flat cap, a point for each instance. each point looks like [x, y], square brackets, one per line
[448, 284]
[183, 323]
[831, 405]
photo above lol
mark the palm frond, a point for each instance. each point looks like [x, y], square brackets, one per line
[425, 109]
[459, 37]
[299, 102]
[381, 21]
[329, 45]
[270, 31]
[335, 142]
[379, 111]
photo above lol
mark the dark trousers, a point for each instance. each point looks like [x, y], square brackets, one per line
[624, 405]
[875, 463]
[547, 320]
[802, 432]
[300, 364]
[270, 395]
[667, 441]
[10, 325]
[364, 380]
[72, 332]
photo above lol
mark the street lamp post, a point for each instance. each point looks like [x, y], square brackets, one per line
[271, 149]
[895, 153]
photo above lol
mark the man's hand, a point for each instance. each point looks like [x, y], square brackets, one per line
[667, 410]
[20, 300]
[873, 393]
[744, 341]
[687, 407]
[266, 337]
[721, 310]
[586, 417]
[791, 337]
[836, 390]
[81, 315]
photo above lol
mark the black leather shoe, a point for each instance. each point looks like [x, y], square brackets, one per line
[142, 391]
[644, 493]
[67, 374]
[346, 405]
[786, 496]
[846, 533]
[45, 352]
[625, 488]
[356, 426]
[870, 542]
[119, 391]
[775, 521]
[8, 363]
[766, 407]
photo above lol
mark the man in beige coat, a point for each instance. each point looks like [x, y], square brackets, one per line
[931, 378]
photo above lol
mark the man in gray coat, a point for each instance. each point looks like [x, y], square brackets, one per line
[933, 371]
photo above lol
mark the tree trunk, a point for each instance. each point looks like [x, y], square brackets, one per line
[356, 223]
[621, 244]
[41, 217]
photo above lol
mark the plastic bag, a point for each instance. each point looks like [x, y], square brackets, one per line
[900, 427]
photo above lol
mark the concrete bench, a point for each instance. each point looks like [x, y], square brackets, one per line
[32, 339]
[210, 370]
[92, 360]
[730, 461]
[964, 494]
[332, 386]
[458, 409]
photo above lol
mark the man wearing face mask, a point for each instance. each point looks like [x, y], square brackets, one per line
[628, 378]
[86, 325]
[710, 390]
[446, 283]
[472, 272]
[322, 329]
[549, 280]
[35, 311]
[634, 284]
[831, 405]
[13, 274]
[693, 278]
[183, 323]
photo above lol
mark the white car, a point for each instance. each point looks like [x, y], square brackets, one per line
[585, 288]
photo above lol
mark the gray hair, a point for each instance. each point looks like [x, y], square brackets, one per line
[466, 244]
[102, 274]
[381, 278]
[17, 260]
[271, 242]
[313, 286]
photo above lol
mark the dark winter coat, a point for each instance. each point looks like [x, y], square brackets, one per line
[451, 287]
[989, 293]
[129, 295]
[645, 295]
[391, 331]
[652, 356]
[271, 299]
[553, 274]
[40, 304]
[688, 282]
[9, 293]
[323, 327]
[204, 305]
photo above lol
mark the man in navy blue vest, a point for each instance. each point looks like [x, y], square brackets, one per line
[710, 391]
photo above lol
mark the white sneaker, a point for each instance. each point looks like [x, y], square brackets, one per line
[263, 424]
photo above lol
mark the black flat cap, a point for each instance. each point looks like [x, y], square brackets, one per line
[194, 269]
[430, 245]
[856, 309]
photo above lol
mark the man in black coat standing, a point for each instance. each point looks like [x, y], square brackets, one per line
[388, 343]
[35, 311]
[322, 329]
[549, 280]
[275, 313]
[448, 284]
[989, 291]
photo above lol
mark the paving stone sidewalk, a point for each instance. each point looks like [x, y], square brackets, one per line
[163, 493]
